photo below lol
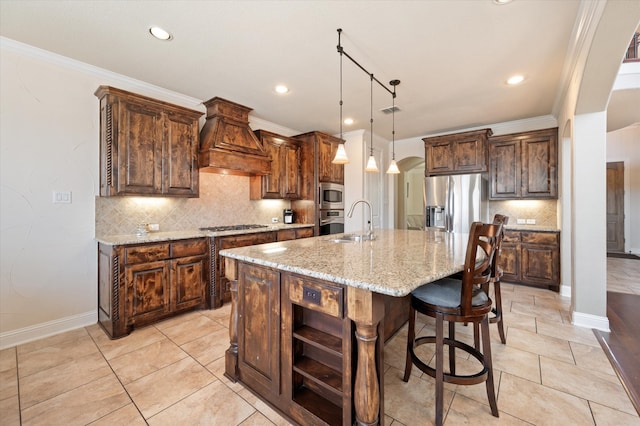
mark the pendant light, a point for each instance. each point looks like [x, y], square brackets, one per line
[341, 153]
[372, 167]
[393, 167]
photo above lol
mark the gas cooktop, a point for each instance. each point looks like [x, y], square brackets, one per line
[232, 227]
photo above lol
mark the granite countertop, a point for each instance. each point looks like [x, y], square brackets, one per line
[395, 263]
[152, 237]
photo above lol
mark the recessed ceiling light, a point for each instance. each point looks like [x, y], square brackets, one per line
[160, 34]
[500, 2]
[282, 89]
[348, 121]
[516, 79]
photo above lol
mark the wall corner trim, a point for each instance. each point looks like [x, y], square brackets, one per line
[590, 321]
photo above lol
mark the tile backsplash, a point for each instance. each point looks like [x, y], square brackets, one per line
[224, 200]
[544, 212]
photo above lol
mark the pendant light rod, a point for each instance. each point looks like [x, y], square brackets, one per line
[342, 52]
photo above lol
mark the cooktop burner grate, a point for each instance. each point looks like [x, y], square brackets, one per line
[232, 227]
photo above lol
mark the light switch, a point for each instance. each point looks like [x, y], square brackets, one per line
[521, 221]
[62, 197]
[531, 221]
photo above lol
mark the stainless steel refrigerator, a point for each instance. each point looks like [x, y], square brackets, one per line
[453, 203]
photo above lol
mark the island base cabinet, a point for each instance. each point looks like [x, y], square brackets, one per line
[311, 348]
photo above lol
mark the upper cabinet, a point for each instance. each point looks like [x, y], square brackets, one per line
[285, 180]
[457, 153]
[147, 147]
[320, 150]
[524, 165]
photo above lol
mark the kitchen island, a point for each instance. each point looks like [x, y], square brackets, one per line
[309, 317]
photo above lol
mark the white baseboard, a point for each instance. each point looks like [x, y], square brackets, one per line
[590, 321]
[50, 328]
[565, 290]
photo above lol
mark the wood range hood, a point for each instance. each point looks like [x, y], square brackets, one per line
[227, 143]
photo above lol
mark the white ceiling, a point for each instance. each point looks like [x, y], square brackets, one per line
[452, 57]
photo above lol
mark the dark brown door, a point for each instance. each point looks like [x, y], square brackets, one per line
[615, 206]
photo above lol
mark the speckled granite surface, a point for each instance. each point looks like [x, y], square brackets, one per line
[395, 263]
[181, 235]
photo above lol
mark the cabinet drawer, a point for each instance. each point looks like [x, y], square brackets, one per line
[286, 234]
[188, 248]
[148, 253]
[540, 238]
[511, 236]
[304, 232]
[246, 240]
[316, 296]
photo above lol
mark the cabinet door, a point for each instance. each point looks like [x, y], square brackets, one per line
[271, 184]
[188, 282]
[439, 158]
[505, 169]
[139, 148]
[539, 166]
[470, 154]
[291, 173]
[147, 291]
[259, 328]
[540, 265]
[510, 262]
[181, 169]
[327, 171]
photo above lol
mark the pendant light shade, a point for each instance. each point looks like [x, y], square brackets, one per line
[393, 168]
[341, 155]
[372, 167]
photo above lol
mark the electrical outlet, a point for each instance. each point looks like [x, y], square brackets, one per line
[521, 221]
[274, 220]
[531, 221]
[61, 197]
[153, 227]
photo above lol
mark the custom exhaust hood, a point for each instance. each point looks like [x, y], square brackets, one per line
[227, 143]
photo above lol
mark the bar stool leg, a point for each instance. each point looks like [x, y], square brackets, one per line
[439, 368]
[486, 350]
[410, 340]
[498, 312]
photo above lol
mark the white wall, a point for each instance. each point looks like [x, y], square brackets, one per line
[624, 145]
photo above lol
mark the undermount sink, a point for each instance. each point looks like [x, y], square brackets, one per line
[352, 238]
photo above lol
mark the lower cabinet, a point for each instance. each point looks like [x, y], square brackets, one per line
[139, 284]
[531, 258]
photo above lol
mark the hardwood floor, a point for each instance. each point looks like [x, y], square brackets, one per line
[622, 343]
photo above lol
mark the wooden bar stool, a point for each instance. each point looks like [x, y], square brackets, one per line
[453, 300]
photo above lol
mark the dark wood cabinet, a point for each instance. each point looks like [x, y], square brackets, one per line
[139, 284]
[319, 149]
[531, 258]
[259, 328]
[285, 180]
[147, 147]
[456, 153]
[524, 165]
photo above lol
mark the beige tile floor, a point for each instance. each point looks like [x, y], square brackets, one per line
[549, 372]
